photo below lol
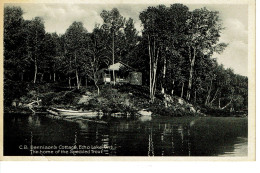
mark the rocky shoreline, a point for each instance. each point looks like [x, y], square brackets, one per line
[116, 102]
[124, 103]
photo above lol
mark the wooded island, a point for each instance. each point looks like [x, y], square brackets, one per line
[169, 68]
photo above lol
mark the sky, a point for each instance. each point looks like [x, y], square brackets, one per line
[58, 17]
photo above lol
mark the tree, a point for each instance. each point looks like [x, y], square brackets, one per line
[235, 91]
[51, 54]
[13, 42]
[113, 22]
[174, 36]
[150, 19]
[58, 53]
[130, 41]
[163, 30]
[35, 41]
[204, 31]
[95, 54]
[75, 39]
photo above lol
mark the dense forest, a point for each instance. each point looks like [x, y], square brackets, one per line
[174, 52]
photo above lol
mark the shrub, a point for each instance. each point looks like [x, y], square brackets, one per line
[13, 90]
[215, 111]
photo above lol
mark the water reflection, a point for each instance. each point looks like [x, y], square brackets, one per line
[31, 144]
[240, 148]
[34, 120]
[158, 137]
[150, 145]
[82, 125]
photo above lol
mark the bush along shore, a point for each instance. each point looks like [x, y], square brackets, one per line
[124, 100]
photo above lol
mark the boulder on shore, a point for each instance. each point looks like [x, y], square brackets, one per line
[85, 98]
[178, 103]
[144, 112]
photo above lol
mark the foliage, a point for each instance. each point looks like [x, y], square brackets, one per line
[174, 53]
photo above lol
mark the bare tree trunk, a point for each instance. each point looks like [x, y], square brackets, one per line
[69, 82]
[69, 73]
[164, 75]
[191, 73]
[35, 58]
[227, 104]
[150, 57]
[98, 90]
[77, 75]
[215, 96]
[153, 85]
[153, 54]
[182, 89]
[35, 70]
[172, 87]
[156, 55]
[113, 56]
[209, 92]
[219, 103]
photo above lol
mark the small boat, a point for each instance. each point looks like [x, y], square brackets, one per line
[52, 112]
[118, 115]
[70, 114]
[63, 110]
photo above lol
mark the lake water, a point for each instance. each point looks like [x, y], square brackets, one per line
[26, 135]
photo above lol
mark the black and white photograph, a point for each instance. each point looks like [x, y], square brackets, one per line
[93, 80]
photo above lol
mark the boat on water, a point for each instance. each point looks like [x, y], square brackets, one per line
[52, 112]
[63, 110]
[70, 114]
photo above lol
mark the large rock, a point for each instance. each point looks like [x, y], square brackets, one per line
[14, 103]
[85, 98]
[168, 100]
[180, 101]
[144, 112]
[191, 108]
[87, 93]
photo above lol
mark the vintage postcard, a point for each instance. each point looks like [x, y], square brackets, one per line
[128, 80]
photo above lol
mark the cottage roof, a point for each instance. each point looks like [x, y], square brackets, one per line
[115, 66]
[119, 66]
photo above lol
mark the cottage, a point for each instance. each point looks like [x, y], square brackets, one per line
[124, 74]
